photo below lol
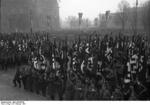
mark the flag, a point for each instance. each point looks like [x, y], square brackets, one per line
[60, 45]
[79, 41]
[55, 44]
[65, 47]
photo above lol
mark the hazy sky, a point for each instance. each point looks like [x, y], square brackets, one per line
[90, 8]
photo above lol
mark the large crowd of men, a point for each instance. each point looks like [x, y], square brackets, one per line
[96, 67]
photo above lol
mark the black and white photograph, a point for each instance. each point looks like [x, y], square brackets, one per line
[74, 50]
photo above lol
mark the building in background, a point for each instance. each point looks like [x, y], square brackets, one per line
[114, 21]
[29, 15]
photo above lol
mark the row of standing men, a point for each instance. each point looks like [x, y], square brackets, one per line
[117, 65]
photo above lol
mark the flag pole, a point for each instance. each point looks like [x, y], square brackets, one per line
[0, 16]
[136, 18]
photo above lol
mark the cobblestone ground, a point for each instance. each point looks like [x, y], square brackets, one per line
[9, 92]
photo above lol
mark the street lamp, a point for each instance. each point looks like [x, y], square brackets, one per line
[80, 18]
[107, 17]
[31, 21]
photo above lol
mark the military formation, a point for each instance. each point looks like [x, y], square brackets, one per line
[93, 67]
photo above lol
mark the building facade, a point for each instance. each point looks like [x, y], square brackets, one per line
[27, 15]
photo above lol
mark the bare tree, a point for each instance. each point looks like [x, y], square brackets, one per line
[132, 18]
[146, 16]
[123, 12]
[96, 22]
[86, 23]
[72, 21]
